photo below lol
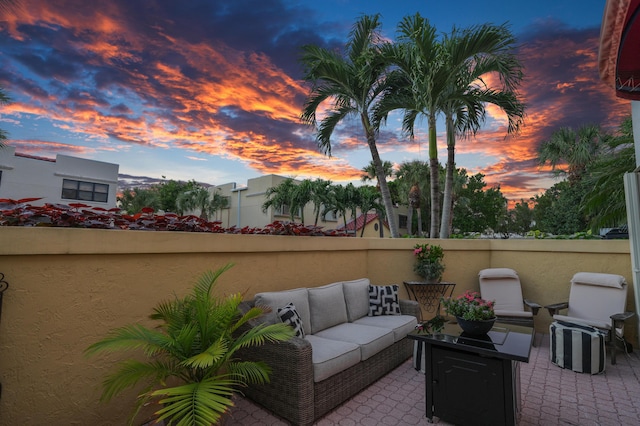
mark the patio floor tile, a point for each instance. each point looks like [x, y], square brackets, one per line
[550, 396]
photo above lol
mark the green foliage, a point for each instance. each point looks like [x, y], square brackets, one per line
[194, 345]
[469, 306]
[478, 209]
[558, 210]
[169, 190]
[4, 99]
[428, 261]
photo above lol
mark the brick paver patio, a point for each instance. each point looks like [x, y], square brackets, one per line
[550, 396]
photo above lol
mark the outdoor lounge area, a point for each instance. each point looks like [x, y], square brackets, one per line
[550, 396]
[69, 287]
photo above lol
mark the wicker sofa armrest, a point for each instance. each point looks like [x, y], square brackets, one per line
[290, 391]
[410, 307]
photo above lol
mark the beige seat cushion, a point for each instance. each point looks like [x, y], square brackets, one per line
[503, 286]
[370, 339]
[400, 324]
[330, 357]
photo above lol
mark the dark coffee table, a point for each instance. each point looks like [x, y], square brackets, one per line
[474, 380]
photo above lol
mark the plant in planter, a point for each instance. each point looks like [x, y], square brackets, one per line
[474, 314]
[193, 350]
[428, 261]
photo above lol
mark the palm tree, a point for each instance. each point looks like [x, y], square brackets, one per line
[369, 174]
[354, 83]
[605, 198]
[574, 149]
[417, 85]
[320, 193]
[201, 199]
[369, 199]
[282, 196]
[414, 176]
[194, 349]
[133, 201]
[4, 99]
[471, 54]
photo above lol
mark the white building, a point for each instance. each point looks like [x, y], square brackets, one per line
[63, 180]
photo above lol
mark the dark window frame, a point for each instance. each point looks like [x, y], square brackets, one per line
[85, 191]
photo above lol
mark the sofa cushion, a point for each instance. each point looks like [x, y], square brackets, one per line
[289, 316]
[356, 295]
[370, 339]
[331, 357]
[327, 306]
[277, 299]
[383, 300]
[400, 324]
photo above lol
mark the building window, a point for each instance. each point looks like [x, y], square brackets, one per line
[330, 216]
[85, 191]
[402, 218]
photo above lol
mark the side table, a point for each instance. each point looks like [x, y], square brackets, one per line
[471, 380]
[429, 294]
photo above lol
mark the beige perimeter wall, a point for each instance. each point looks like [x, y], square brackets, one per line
[68, 287]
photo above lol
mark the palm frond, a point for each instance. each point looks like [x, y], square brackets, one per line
[130, 372]
[201, 403]
[130, 337]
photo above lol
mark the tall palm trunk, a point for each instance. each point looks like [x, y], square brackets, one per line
[435, 178]
[382, 179]
[414, 203]
[447, 202]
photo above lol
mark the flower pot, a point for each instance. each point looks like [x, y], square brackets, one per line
[475, 328]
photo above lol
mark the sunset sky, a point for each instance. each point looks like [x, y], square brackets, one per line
[212, 91]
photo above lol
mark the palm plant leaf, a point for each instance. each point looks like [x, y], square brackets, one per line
[200, 403]
[130, 372]
[131, 337]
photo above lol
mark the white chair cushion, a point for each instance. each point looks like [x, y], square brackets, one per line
[503, 286]
[599, 279]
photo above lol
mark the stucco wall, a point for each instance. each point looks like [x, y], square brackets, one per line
[68, 287]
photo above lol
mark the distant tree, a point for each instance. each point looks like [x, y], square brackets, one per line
[201, 199]
[369, 199]
[478, 209]
[4, 99]
[169, 190]
[522, 216]
[353, 83]
[320, 193]
[281, 197]
[134, 200]
[370, 175]
[557, 210]
[604, 201]
[414, 179]
[570, 152]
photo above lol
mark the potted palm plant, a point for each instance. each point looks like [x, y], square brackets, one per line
[192, 349]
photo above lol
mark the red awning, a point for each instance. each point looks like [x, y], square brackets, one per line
[619, 55]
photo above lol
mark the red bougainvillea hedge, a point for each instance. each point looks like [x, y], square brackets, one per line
[77, 215]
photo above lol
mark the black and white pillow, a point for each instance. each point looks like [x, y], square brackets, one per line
[383, 300]
[289, 315]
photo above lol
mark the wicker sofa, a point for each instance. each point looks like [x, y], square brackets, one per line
[351, 334]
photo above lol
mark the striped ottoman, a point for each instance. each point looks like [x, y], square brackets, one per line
[577, 347]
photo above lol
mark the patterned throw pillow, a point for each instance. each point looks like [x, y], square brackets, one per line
[289, 315]
[383, 300]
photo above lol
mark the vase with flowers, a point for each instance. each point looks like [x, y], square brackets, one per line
[474, 314]
[428, 262]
